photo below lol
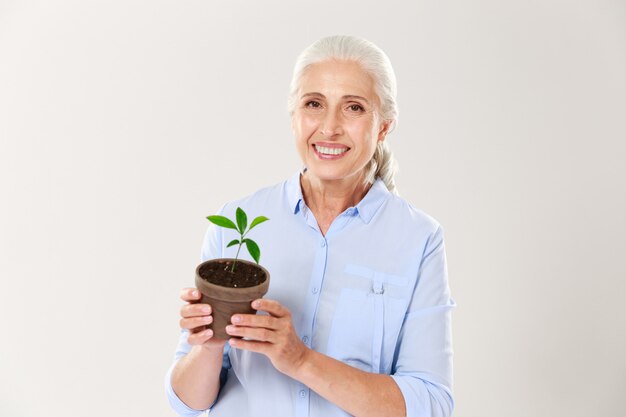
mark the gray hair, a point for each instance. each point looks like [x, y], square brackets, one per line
[376, 63]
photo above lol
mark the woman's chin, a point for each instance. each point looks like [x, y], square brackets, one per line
[332, 175]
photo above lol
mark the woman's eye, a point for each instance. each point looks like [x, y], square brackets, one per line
[313, 104]
[357, 108]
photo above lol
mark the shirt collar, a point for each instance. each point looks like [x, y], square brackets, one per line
[294, 193]
[373, 200]
[366, 208]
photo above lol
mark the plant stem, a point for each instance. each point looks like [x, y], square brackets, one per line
[236, 257]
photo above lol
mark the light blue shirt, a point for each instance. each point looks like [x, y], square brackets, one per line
[372, 293]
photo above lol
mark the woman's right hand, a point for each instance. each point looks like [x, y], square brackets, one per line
[194, 318]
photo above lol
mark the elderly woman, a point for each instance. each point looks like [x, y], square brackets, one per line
[357, 317]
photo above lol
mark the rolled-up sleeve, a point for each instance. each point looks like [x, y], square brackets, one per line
[423, 361]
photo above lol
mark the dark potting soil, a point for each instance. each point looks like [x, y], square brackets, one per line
[219, 273]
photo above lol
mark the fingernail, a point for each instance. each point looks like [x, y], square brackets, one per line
[230, 329]
[206, 309]
[207, 318]
[235, 319]
[256, 303]
[194, 293]
[208, 332]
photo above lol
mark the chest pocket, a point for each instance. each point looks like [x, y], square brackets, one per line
[366, 322]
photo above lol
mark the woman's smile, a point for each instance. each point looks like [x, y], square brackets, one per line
[330, 151]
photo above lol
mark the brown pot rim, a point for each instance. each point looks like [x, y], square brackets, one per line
[231, 293]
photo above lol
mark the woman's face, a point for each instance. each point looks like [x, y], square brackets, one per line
[336, 122]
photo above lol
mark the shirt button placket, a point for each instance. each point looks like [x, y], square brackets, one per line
[302, 403]
[307, 330]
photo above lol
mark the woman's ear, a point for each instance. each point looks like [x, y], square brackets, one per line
[385, 125]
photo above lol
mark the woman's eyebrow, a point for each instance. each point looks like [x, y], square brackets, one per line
[312, 94]
[353, 97]
[346, 97]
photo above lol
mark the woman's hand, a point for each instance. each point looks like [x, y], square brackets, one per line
[195, 317]
[273, 336]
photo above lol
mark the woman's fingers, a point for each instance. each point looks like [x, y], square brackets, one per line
[254, 333]
[272, 335]
[194, 316]
[190, 295]
[200, 337]
[195, 322]
[262, 327]
[195, 310]
[272, 307]
[256, 320]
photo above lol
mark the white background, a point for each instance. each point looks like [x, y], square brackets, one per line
[124, 123]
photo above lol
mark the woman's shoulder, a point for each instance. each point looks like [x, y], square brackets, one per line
[410, 216]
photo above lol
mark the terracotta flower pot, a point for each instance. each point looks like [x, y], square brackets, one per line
[224, 298]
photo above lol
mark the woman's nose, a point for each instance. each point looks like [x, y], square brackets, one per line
[331, 123]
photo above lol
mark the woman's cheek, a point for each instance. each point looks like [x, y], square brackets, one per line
[310, 123]
[306, 127]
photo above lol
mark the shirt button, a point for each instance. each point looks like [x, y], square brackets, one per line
[314, 290]
[305, 339]
[302, 393]
[323, 243]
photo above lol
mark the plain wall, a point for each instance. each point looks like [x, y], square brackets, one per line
[124, 123]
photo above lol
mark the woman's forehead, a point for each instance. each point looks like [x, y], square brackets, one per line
[337, 78]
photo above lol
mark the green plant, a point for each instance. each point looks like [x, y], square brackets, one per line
[242, 224]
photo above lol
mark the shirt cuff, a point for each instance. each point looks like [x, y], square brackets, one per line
[176, 403]
[423, 399]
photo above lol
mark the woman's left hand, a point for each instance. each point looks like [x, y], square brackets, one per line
[272, 335]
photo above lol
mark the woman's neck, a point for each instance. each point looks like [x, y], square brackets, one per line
[328, 199]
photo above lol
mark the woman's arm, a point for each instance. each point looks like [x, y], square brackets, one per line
[357, 392]
[195, 378]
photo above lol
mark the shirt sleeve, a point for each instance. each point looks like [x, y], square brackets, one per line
[422, 365]
[211, 248]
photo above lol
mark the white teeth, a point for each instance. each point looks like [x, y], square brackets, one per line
[330, 151]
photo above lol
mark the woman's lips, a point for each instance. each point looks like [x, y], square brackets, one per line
[330, 152]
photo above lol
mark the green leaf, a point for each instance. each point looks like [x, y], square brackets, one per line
[258, 220]
[253, 248]
[232, 243]
[242, 220]
[222, 222]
